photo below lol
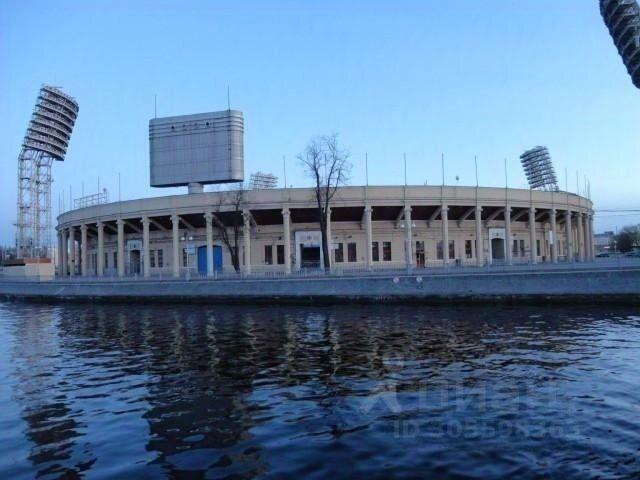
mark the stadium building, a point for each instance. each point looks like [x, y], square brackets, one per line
[277, 231]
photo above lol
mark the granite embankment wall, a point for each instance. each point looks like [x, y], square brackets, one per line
[599, 285]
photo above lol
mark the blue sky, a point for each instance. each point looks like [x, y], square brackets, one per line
[463, 77]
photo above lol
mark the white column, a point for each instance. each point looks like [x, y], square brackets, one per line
[60, 255]
[208, 217]
[246, 237]
[554, 236]
[445, 234]
[591, 247]
[286, 221]
[146, 248]
[329, 239]
[83, 250]
[367, 224]
[65, 253]
[175, 221]
[585, 236]
[72, 251]
[532, 236]
[479, 239]
[408, 250]
[507, 234]
[100, 262]
[569, 235]
[120, 224]
[580, 237]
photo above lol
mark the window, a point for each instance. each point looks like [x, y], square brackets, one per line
[115, 259]
[351, 252]
[160, 260]
[420, 254]
[375, 253]
[280, 254]
[268, 255]
[467, 249]
[386, 251]
[106, 260]
[522, 248]
[538, 248]
[339, 253]
[514, 250]
[439, 251]
[452, 249]
[152, 258]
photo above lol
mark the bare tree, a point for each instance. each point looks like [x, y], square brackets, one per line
[230, 205]
[329, 167]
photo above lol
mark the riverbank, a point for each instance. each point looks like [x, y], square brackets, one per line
[599, 285]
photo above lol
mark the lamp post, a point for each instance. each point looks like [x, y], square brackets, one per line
[190, 250]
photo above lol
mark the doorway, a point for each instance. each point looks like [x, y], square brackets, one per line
[202, 259]
[134, 262]
[310, 256]
[497, 249]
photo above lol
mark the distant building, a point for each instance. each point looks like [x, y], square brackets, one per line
[603, 241]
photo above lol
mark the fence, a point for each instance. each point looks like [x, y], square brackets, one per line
[340, 270]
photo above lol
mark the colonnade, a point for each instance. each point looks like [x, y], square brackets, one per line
[68, 251]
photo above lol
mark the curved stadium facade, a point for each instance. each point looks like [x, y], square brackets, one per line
[371, 228]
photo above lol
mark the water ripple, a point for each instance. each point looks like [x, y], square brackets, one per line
[240, 392]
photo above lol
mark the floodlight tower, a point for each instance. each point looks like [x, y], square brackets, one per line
[622, 18]
[538, 168]
[261, 181]
[46, 140]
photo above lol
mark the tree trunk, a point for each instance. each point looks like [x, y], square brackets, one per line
[325, 241]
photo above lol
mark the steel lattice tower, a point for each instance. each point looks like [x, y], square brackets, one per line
[46, 140]
[622, 18]
[538, 168]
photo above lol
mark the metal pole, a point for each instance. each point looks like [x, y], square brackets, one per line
[366, 168]
[405, 169]
[506, 178]
[475, 160]
[577, 183]
[284, 167]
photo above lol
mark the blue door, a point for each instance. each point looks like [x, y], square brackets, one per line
[202, 259]
[217, 258]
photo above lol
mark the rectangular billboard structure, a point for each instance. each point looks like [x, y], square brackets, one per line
[202, 148]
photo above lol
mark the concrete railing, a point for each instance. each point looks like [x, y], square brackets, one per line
[352, 271]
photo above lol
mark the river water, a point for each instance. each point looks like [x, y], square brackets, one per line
[125, 391]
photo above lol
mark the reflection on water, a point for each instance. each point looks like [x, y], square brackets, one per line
[212, 392]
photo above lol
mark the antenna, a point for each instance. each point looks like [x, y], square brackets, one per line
[284, 167]
[366, 168]
[475, 160]
[506, 177]
[405, 169]
[155, 108]
[442, 161]
[228, 98]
